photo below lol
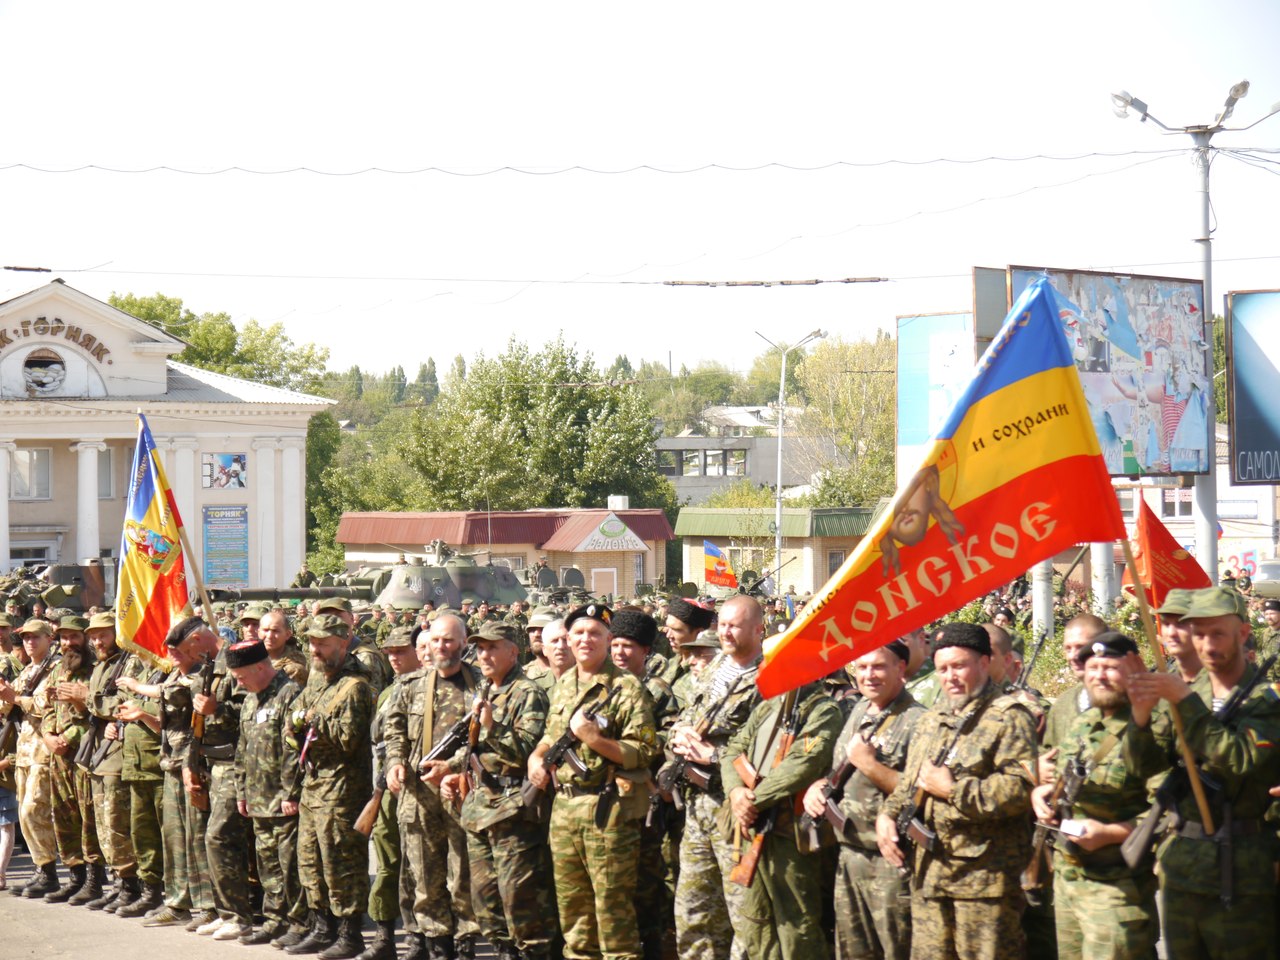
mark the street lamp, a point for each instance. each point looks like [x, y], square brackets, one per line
[782, 400]
[1205, 504]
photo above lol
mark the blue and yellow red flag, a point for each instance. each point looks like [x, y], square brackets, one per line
[719, 571]
[1014, 475]
[151, 588]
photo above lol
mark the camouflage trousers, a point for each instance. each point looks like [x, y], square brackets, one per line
[73, 820]
[872, 907]
[186, 867]
[434, 847]
[511, 885]
[385, 891]
[35, 812]
[1104, 920]
[227, 849]
[989, 928]
[595, 877]
[146, 807]
[780, 914]
[654, 914]
[1199, 927]
[111, 813]
[333, 858]
[275, 841]
[707, 904]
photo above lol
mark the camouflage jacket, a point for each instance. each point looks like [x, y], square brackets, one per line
[889, 731]
[175, 718]
[984, 829]
[1062, 714]
[33, 699]
[10, 667]
[672, 669]
[665, 707]
[266, 765]
[630, 723]
[141, 752]
[502, 751]
[925, 686]
[331, 722]
[102, 707]
[377, 666]
[67, 718]
[1243, 756]
[295, 665]
[1268, 643]
[222, 729]
[425, 706]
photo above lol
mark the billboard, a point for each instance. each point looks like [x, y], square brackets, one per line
[1139, 345]
[935, 362]
[1253, 356]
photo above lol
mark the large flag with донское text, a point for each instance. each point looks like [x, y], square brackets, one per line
[151, 587]
[1163, 564]
[717, 569]
[1014, 476]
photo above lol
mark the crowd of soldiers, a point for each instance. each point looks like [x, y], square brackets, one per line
[601, 782]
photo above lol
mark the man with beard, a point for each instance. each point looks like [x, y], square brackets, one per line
[376, 666]
[427, 703]
[873, 898]
[66, 722]
[1104, 909]
[973, 757]
[330, 722]
[1079, 632]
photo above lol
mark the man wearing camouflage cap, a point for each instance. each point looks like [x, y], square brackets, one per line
[538, 620]
[10, 664]
[1267, 642]
[1175, 632]
[371, 659]
[1218, 887]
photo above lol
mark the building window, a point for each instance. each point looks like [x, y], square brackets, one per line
[28, 556]
[1175, 503]
[106, 475]
[1126, 499]
[735, 463]
[639, 570]
[667, 463]
[514, 564]
[692, 461]
[715, 463]
[743, 559]
[29, 474]
[835, 560]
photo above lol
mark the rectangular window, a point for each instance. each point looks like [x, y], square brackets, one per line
[667, 463]
[745, 560]
[692, 460]
[29, 477]
[28, 556]
[835, 560]
[106, 475]
[736, 464]
[514, 564]
[639, 570]
[715, 463]
[1176, 503]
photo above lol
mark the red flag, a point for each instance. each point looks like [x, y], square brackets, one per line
[1163, 564]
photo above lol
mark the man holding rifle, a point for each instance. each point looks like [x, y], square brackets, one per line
[966, 793]
[872, 896]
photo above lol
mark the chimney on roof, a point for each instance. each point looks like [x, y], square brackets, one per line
[617, 502]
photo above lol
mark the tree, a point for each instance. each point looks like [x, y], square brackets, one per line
[459, 371]
[324, 438]
[744, 493]
[399, 385]
[679, 402]
[761, 383]
[1219, 329]
[621, 369]
[426, 386]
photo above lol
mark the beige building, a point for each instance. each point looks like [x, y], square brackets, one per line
[74, 374]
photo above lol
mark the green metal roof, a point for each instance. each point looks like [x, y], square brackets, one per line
[833, 522]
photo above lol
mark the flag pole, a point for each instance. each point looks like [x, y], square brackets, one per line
[205, 605]
[1162, 663]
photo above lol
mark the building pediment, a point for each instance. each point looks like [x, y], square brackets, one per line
[56, 342]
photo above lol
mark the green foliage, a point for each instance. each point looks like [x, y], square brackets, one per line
[324, 438]
[425, 386]
[744, 493]
[1219, 329]
[761, 382]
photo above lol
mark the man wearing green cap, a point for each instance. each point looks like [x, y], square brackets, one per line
[1218, 887]
[536, 664]
[371, 659]
[10, 664]
[1175, 632]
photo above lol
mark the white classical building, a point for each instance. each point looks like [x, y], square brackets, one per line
[74, 374]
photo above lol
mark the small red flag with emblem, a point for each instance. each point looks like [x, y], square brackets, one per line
[1163, 563]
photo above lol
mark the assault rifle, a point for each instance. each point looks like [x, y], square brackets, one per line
[16, 713]
[562, 752]
[745, 869]
[94, 746]
[912, 830]
[832, 790]
[681, 768]
[1063, 798]
[364, 822]
[1024, 678]
[1137, 846]
[196, 762]
[465, 782]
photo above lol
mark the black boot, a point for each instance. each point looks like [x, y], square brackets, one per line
[293, 933]
[441, 948]
[466, 948]
[43, 880]
[152, 896]
[128, 890]
[418, 949]
[91, 889]
[324, 931]
[384, 942]
[79, 874]
[350, 942]
[506, 950]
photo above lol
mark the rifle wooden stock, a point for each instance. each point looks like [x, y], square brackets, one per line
[1031, 875]
[745, 870]
[364, 822]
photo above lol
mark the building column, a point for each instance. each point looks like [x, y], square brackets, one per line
[88, 536]
[180, 468]
[7, 448]
[293, 484]
[264, 471]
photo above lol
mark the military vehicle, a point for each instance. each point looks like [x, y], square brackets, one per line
[75, 587]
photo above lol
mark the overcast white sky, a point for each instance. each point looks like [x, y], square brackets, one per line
[381, 267]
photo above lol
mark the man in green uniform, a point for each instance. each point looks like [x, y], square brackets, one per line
[141, 773]
[1103, 908]
[1078, 634]
[511, 885]
[973, 757]
[1175, 633]
[684, 620]
[1268, 642]
[268, 787]
[1218, 887]
[330, 722]
[555, 646]
[536, 664]
[376, 666]
[596, 814]
[872, 897]
[277, 635]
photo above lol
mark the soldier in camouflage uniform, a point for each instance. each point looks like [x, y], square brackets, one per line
[330, 722]
[974, 757]
[1268, 641]
[111, 803]
[10, 663]
[1103, 908]
[555, 645]
[484, 614]
[536, 664]
[872, 897]
[1076, 636]
[268, 787]
[684, 620]
[277, 634]
[706, 903]
[511, 881]
[30, 693]
[375, 664]
[596, 815]
[1218, 888]
[427, 704]
[65, 724]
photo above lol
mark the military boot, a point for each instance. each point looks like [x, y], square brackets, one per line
[466, 948]
[324, 931]
[293, 933]
[350, 942]
[441, 948]
[44, 880]
[109, 896]
[152, 897]
[91, 889]
[384, 942]
[506, 950]
[79, 874]
[418, 949]
[130, 891]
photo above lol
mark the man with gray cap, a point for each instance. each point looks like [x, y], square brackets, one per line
[1217, 885]
[972, 764]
